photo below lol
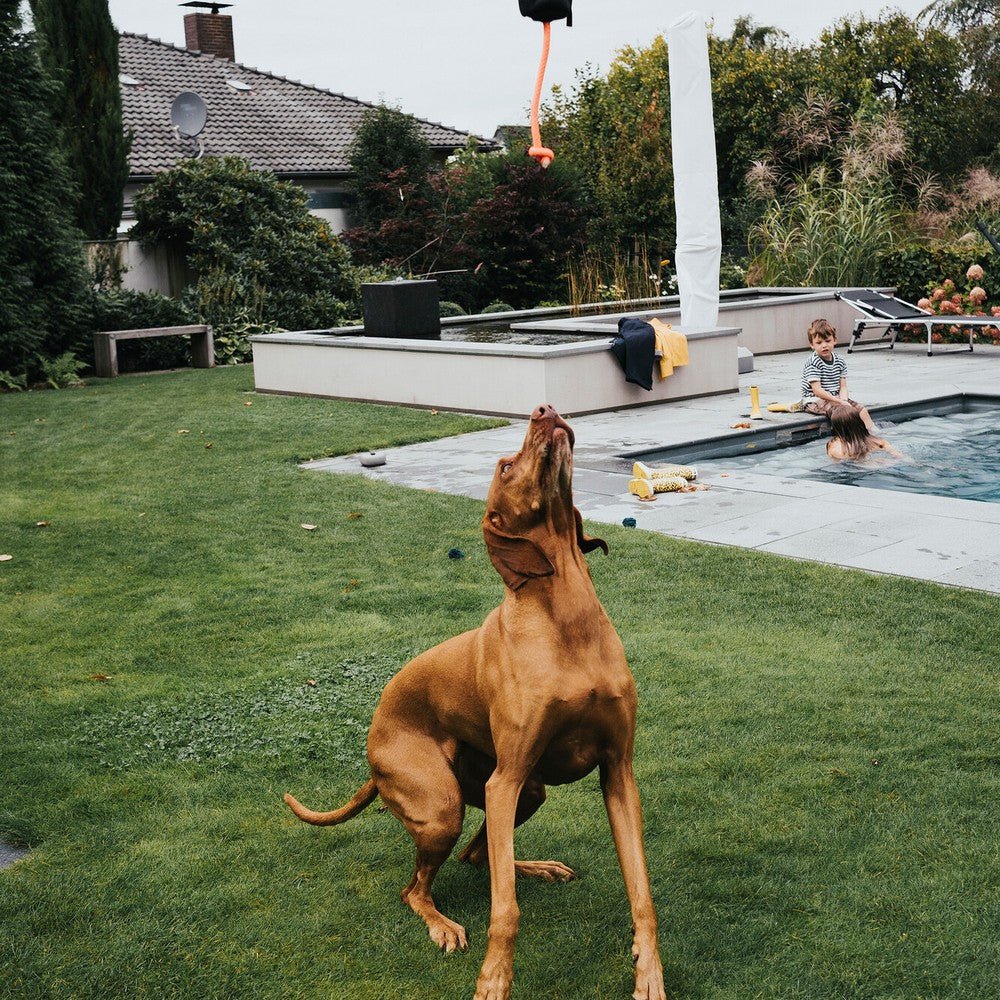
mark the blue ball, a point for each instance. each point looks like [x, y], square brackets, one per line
[628, 522]
[456, 554]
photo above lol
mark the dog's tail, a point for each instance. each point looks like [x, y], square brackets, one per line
[363, 797]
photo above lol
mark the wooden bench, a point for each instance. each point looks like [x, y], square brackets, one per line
[106, 345]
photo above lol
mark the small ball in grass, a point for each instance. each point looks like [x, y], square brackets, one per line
[456, 554]
[628, 522]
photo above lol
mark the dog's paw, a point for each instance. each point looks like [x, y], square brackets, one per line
[547, 871]
[448, 935]
[649, 980]
[492, 987]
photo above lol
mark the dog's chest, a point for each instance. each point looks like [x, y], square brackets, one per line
[588, 723]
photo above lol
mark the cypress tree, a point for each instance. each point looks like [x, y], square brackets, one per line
[79, 48]
[44, 296]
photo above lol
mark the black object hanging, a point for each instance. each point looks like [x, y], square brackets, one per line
[548, 10]
[635, 349]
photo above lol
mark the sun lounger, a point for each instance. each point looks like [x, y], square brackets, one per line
[892, 314]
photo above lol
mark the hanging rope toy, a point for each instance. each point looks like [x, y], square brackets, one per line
[545, 11]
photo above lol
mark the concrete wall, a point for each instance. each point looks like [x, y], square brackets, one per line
[767, 324]
[504, 379]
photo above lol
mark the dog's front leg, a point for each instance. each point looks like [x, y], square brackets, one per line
[502, 792]
[621, 798]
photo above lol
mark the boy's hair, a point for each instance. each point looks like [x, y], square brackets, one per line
[821, 328]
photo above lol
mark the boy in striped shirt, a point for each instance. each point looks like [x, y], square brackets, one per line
[824, 378]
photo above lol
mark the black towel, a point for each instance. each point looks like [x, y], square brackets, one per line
[635, 349]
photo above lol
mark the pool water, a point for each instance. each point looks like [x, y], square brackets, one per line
[954, 456]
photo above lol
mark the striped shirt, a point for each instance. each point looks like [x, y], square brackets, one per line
[827, 373]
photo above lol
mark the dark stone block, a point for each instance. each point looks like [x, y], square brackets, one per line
[401, 309]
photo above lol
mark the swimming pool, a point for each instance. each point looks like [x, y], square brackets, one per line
[953, 444]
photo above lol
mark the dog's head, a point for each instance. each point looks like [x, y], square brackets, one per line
[529, 508]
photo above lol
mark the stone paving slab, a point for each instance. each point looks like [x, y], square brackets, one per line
[943, 539]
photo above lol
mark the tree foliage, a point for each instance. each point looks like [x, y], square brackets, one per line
[914, 71]
[43, 288]
[614, 132]
[259, 258]
[515, 239]
[79, 49]
[390, 161]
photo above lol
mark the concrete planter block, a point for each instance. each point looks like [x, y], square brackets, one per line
[405, 309]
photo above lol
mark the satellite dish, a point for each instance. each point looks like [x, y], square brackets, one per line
[188, 113]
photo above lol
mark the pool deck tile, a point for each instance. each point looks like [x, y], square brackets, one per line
[941, 539]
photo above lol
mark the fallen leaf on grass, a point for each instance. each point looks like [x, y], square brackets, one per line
[308, 527]
[42, 524]
[209, 445]
[6, 558]
[183, 430]
[355, 515]
[311, 683]
[99, 677]
[247, 402]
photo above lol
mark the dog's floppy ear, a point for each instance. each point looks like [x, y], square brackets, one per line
[587, 544]
[516, 559]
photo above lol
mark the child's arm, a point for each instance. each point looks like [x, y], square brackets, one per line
[820, 393]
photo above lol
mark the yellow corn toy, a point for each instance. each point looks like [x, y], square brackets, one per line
[642, 471]
[755, 413]
[646, 489]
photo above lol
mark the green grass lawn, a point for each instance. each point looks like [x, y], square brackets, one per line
[817, 749]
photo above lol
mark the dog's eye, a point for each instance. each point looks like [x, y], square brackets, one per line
[505, 468]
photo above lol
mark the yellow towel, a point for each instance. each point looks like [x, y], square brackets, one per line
[671, 344]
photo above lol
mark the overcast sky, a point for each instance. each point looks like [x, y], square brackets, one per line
[470, 64]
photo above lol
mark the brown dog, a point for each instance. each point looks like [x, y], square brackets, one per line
[539, 695]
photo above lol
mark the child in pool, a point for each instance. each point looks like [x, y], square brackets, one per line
[851, 440]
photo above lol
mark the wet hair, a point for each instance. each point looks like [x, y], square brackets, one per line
[821, 328]
[846, 424]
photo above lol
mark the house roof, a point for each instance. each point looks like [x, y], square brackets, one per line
[277, 124]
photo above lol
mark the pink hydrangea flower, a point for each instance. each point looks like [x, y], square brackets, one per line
[975, 273]
[995, 310]
[949, 285]
[924, 303]
[938, 294]
[957, 299]
[978, 295]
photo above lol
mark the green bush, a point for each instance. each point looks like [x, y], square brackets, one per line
[910, 268]
[498, 307]
[451, 309]
[63, 371]
[43, 280]
[13, 383]
[125, 309]
[262, 261]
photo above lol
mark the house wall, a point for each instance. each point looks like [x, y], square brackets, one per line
[143, 269]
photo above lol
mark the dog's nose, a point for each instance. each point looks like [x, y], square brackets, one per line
[544, 411]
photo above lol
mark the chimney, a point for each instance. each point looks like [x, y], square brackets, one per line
[212, 32]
